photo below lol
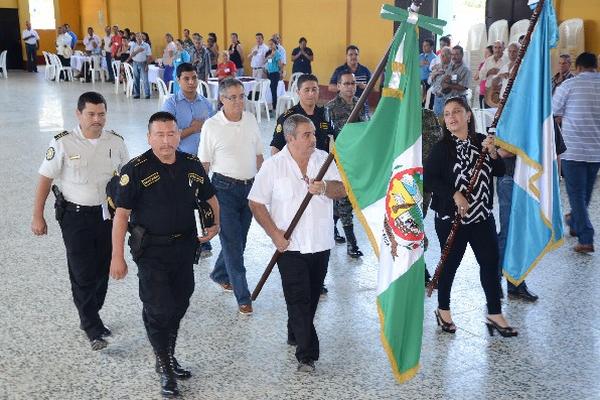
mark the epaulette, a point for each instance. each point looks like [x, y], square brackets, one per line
[192, 157]
[139, 160]
[116, 134]
[62, 134]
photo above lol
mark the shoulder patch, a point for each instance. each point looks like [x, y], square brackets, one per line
[62, 134]
[279, 128]
[50, 153]
[116, 134]
[124, 180]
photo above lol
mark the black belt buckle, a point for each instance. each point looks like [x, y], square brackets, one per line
[233, 180]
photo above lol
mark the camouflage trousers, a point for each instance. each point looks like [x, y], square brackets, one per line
[342, 209]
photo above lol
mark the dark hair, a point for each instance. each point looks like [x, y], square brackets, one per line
[431, 42]
[92, 98]
[234, 33]
[302, 39]
[147, 38]
[184, 67]
[352, 47]
[260, 34]
[227, 83]
[345, 71]
[461, 101]
[212, 35]
[306, 78]
[445, 39]
[457, 47]
[586, 60]
[490, 48]
[186, 29]
[161, 116]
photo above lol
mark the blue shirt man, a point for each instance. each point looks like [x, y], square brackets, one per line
[425, 59]
[72, 34]
[189, 108]
[361, 73]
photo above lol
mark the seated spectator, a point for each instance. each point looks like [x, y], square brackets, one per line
[226, 68]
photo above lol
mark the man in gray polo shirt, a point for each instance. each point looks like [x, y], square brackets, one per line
[575, 104]
[457, 77]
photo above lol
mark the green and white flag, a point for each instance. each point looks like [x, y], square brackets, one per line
[381, 165]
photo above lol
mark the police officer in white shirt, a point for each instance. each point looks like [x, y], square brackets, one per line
[32, 43]
[257, 57]
[279, 188]
[83, 161]
[231, 147]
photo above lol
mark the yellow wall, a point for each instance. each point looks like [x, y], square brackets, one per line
[329, 25]
[93, 13]
[9, 4]
[589, 11]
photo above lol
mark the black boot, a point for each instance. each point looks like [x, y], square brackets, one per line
[352, 248]
[179, 372]
[168, 381]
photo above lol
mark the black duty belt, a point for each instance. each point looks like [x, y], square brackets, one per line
[82, 209]
[233, 180]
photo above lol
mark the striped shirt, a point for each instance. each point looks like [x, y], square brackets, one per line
[578, 103]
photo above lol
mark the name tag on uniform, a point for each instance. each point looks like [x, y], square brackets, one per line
[193, 177]
[75, 157]
[150, 179]
[324, 125]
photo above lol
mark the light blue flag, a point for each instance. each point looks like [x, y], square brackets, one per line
[526, 129]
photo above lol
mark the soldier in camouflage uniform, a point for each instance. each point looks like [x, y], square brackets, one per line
[338, 110]
[432, 133]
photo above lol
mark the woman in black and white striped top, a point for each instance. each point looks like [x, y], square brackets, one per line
[447, 174]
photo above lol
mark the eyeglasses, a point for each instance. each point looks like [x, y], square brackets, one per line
[234, 98]
[349, 83]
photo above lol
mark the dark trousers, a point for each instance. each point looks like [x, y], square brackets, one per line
[87, 240]
[484, 242]
[580, 177]
[342, 209]
[31, 57]
[235, 217]
[274, 78]
[302, 277]
[166, 278]
[66, 62]
[108, 57]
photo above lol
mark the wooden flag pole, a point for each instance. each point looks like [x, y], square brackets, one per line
[491, 130]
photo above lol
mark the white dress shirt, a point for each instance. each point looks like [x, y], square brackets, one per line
[88, 42]
[107, 43]
[32, 35]
[258, 60]
[491, 63]
[84, 166]
[231, 147]
[63, 41]
[279, 185]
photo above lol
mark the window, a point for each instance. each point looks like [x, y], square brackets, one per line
[41, 14]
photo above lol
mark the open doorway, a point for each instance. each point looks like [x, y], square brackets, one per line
[10, 38]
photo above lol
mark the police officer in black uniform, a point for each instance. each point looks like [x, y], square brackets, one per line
[158, 192]
[82, 161]
[308, 92]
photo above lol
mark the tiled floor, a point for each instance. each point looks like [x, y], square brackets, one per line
[43, 355]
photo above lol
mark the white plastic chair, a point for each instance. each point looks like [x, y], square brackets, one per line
[3, 63]
[96, 68]
[477, 38]
[498, 31]
[286, 101]
[60, 68]
[128, 89]
[50, 70]
[116, 67]
[261, 87]
[518, 29]
[163, 93]
[571, 37]
[204, 90]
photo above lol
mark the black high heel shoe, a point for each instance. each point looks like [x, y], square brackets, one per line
[446, 326]
[507, 331]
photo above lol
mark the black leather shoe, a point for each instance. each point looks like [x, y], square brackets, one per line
[336, 236]
[352, 248]
[522, 292]
[105, 331]
[98, 344]
[168, 381]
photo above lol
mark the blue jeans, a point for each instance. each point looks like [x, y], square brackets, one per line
[240, 72]
[111, 74]
[235, 222]
[580, 177]
[31, 57]
[140, 72]
[504, 187]
[438, 105]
